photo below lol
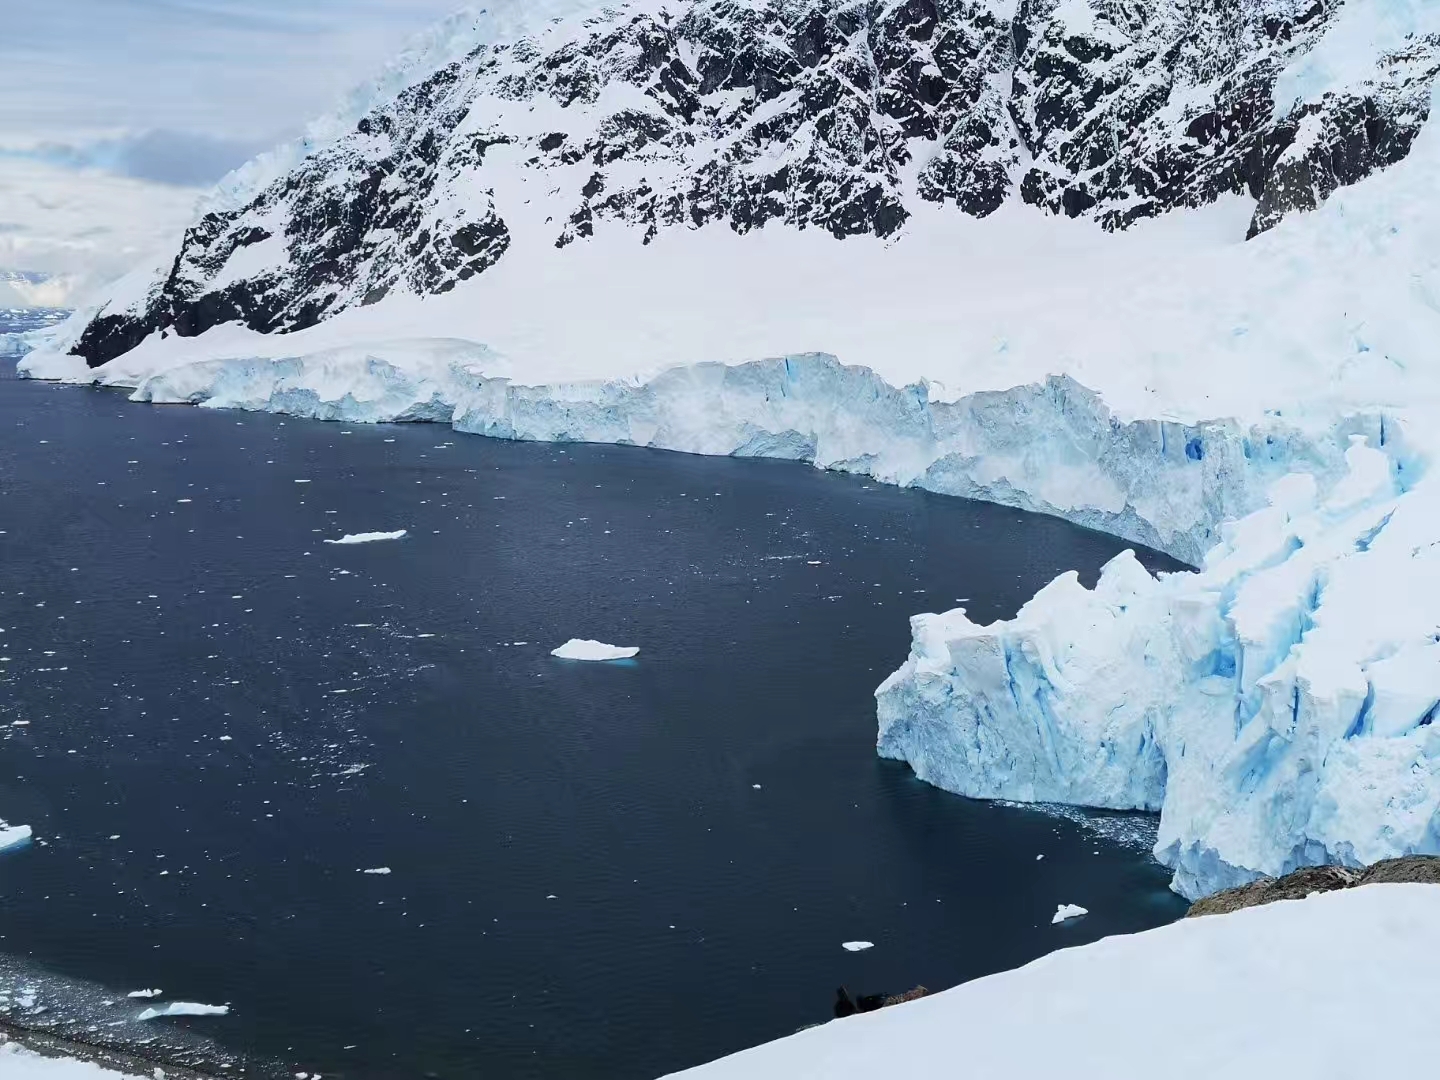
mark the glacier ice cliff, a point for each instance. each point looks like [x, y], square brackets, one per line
[1053, 447]
[1275, 706]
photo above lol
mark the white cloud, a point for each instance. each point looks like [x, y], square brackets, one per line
[228, 68]
[70, 231]
[114, 112]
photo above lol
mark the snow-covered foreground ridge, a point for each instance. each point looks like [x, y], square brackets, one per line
[1227, 996]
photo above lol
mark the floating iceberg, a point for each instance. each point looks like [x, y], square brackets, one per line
[857, 946]
[369, 538]
[1068, 911]
[144, 994]
[185, 1008]
[12, 836]
[585, 649]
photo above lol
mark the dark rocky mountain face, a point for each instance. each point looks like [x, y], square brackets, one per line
[841, 115]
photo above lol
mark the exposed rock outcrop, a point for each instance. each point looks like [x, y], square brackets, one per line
[1420, 869]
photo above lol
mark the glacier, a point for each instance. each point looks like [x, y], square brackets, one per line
[1275, 706]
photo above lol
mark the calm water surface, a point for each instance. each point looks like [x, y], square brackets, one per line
[215, 721]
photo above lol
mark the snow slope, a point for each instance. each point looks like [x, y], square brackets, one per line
[1155, 383]
[1243, 995]
[17, 1063]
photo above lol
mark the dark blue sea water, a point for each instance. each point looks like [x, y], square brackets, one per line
[215, 721]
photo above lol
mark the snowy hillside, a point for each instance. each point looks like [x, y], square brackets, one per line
[1241, 995]
[718, 227]
[541, 124]
[19, 1064]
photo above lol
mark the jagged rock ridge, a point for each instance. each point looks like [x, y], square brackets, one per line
[840, 115]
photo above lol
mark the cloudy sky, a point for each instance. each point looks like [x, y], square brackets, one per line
[134, 104]
[236, 69]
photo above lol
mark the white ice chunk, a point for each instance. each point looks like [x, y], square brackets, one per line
[1068, 911]
[13, 835]
[144, 993]
[377, 870]
[369, 537]
[586, 649]
[857, 946]
[185, 1008]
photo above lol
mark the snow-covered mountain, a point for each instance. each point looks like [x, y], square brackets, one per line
[841, 233]
[838, 115]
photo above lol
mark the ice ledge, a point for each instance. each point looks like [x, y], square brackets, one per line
[1051, 447]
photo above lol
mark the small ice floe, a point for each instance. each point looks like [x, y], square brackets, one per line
[755, 786]
[369, 538]
[1039, 857]
[857, 946]
[377, 870]
[1068, 911]
[185, 1008]
[144, 993]
[12, 836]
[585, 649]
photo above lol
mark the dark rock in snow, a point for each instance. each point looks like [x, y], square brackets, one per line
[1421, 869]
